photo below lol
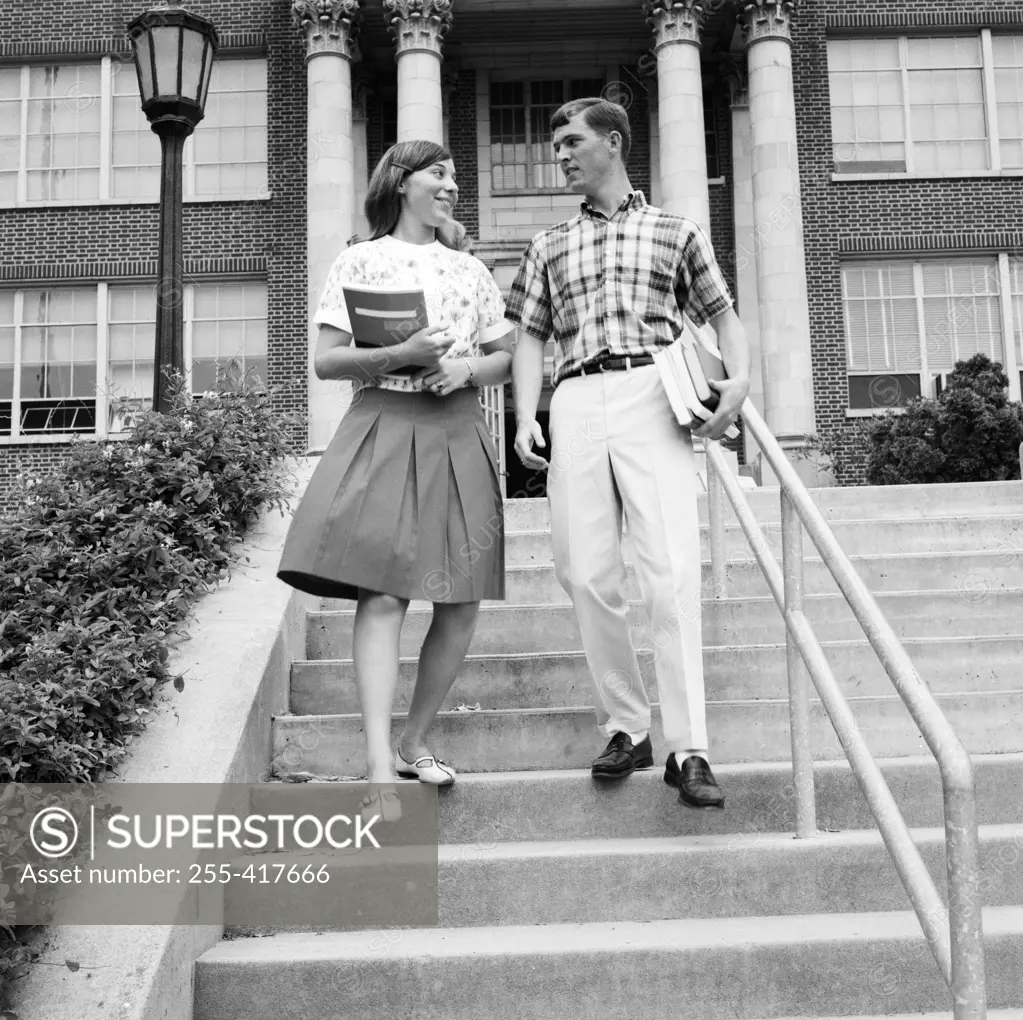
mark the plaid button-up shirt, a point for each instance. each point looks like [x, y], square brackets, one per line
[611, 287]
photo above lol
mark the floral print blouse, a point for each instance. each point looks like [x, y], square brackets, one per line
[459, 291]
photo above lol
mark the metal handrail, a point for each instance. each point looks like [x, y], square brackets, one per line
[954, 934]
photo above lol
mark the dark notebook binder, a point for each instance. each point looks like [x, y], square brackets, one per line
[385, 316]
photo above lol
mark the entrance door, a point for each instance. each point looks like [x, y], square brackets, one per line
[522, 482]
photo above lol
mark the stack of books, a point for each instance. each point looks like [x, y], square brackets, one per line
[685, 367]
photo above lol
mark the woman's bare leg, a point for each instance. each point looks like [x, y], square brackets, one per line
[440, 659]
[378, 621]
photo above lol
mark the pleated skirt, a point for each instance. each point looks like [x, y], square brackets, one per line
[405, 501]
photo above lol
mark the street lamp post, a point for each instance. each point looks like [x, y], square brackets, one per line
[174, 51]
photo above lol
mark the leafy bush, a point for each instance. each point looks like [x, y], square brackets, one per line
[970, 433]
[99, 563]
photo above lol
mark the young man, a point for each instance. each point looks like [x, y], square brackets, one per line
[610, 286]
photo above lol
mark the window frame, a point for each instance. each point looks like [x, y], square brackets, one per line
[105, 98]
[1009, 328]
[990, 101]
[103, 429]
[536, 75]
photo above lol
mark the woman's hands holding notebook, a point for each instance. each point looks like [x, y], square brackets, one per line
[427, 346]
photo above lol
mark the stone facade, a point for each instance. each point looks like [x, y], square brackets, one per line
[267, 238]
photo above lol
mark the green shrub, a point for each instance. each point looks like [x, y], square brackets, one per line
[99, 564]
[970, 433]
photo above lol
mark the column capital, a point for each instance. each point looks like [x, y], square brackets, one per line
[766, 19]
[733, 69]
[418, 24]
[330, 26]
[674, 21]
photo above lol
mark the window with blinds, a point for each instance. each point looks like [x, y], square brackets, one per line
[867, 105]
[72, 133]
[57, 360]
[228, 324]
[520, 137]
[907, 323]
[1007, 52]
[928, 105]
[69, 354]
[1016, 295]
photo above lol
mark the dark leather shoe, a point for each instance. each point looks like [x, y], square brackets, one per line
[697, 787]
[621, 759]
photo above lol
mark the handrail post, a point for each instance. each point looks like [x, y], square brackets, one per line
[966, 938]
[799, 684]
[716, 520]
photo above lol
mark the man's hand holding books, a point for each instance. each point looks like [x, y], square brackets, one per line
[731, 394]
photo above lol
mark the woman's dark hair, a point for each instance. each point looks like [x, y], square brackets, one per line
[383, 200]
[600, 114]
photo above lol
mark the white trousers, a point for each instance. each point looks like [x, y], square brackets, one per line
[616, 448]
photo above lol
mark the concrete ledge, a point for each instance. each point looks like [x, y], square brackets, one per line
[236, 666]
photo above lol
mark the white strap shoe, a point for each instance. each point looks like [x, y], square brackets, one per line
[426, 768]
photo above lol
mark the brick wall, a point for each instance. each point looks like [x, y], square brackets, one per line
[462, 137]
[841, 215]
[107, 19]
[44, 243]
[638, 164]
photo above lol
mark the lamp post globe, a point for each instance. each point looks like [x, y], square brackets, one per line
[174, 51]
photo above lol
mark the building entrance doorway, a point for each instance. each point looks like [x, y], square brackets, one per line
[521, 482]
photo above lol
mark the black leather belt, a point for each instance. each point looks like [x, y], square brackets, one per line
[615, 364]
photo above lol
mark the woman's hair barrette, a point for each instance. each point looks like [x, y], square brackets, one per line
[401, 166]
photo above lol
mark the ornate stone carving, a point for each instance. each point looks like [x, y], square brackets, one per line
[418, 24]
[674, 21]
[767, 19]
[330, 26]
[734, 71]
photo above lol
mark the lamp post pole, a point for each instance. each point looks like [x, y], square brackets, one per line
[174, 51]
[170, 291]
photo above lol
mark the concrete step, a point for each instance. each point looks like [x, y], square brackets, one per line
[653, 879]
[503, 740]
[758, 620]
[484, 809]
[861, 501]
[748, 672]
[1013, 1013]
[705, 969]
[958, 533]
[975, 574]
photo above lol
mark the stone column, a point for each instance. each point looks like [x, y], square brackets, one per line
[329, 28]
[361, 91]
[747, 298]
[683, 152]
[418, 27]
[778, 225]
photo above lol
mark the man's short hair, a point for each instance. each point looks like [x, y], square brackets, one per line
[600, 114]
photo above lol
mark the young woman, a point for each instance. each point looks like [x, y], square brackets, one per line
[405, 502]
